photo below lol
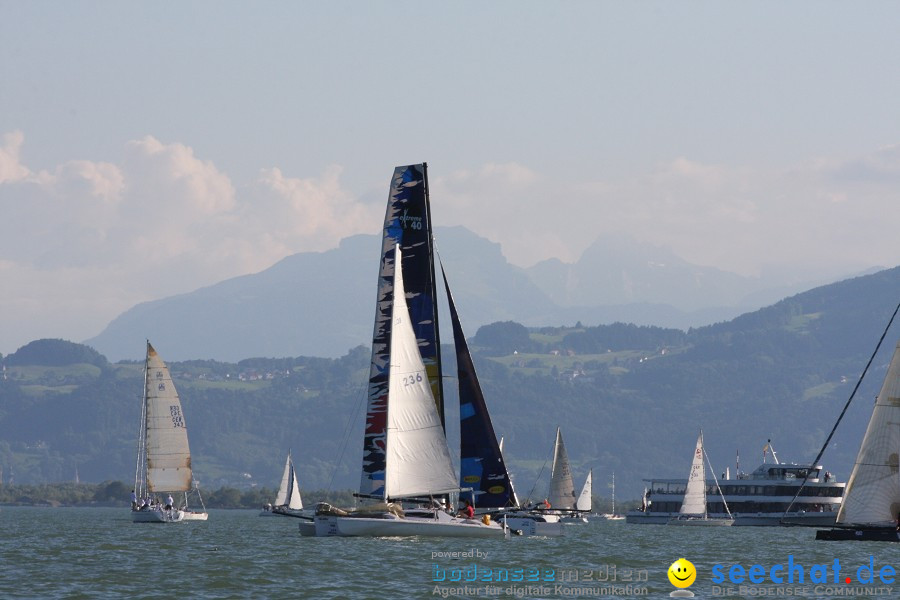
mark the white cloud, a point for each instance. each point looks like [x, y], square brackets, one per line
[88, 240]
[10, 167]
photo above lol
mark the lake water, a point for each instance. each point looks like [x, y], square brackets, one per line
[100, 553]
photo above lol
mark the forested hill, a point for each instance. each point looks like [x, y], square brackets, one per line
[629, 399]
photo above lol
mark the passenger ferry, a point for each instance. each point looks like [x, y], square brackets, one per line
[757, 499]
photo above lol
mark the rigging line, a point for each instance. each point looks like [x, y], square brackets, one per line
[541, 472]
[363, 393]
[843, 412]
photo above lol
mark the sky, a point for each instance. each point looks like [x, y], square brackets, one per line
[148, 149]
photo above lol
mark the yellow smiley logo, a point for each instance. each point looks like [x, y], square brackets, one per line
[682, 573]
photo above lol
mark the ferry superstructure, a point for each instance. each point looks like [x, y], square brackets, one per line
[759, 498]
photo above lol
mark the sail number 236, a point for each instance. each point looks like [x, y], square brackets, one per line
[412, 379]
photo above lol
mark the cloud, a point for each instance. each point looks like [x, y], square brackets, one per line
[10, 167]
[88, 240]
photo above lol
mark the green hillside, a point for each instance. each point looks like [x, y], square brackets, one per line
[629, 399]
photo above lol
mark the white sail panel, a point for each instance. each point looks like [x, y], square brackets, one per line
[584, 499]
[562, 486]
[872, 496]
[417, 457]
[294, 500]
[168, 454]
[694, 502]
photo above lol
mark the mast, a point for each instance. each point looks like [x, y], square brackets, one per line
[141, 463]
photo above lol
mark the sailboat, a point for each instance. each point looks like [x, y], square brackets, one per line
[562, 499]
[693, 507]
[612, 516]
[869, 511]
[164, 457]
[405, 452]
[482, 466]
[287, 501]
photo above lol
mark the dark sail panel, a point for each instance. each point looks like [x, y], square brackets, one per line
[407, 222]
[481, 463]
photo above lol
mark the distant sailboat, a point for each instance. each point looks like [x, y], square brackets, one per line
[871, 505]
[612, 516]
[693, 507]
[562, 499]
[164, 457]
[287, 501]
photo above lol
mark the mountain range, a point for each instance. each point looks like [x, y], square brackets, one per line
[322, 303]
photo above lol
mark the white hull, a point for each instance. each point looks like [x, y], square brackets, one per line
[442, 525]
[532, 526]
[281, 512]
[190, 515]
[571, 520]
[160, 515]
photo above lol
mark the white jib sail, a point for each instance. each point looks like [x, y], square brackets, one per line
[562, 486]
[872, 496]
[417, 457]
[168, 454]
[289, 490]
[694, 503]
[584, 499]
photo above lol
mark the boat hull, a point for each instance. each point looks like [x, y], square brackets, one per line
[393, 526]
[859, 535]
[157, 516]
[701, 522]
[743, 519]
[532, 526]
[190, 515]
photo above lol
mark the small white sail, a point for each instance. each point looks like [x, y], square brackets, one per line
[562, 486]
[584, 499]
[289, 490]
[417, 457]
[168, 454]
[872, 496]
[694, 503]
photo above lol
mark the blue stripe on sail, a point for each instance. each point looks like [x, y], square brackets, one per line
[466, 411]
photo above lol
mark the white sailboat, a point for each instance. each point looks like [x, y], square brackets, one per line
[612, 516]
[871, 506]
[417, 461]
[288, 501]
[562, 499]
[164, 457]
[693, 507]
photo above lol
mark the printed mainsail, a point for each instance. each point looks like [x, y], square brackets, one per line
[168, 457]
[417, 461]
[481, 462]
[872, 496]
[562, 486]
[407, 222]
